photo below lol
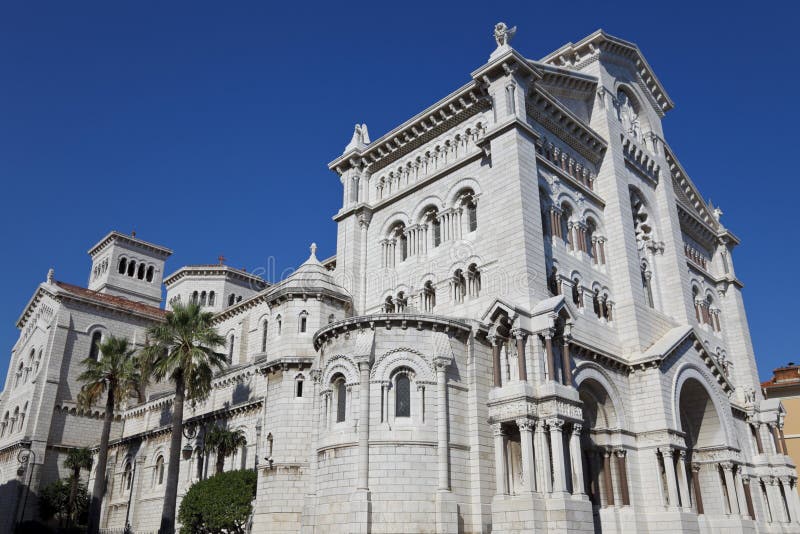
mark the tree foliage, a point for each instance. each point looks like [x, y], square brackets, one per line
[225, 442]
[54, 502]
[220, 504]
[182, 350]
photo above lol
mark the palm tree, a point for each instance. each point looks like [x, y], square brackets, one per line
[76, 461]
[225, 442]
[116, 374]
[182, 350]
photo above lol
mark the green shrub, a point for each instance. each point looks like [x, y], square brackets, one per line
[54, 502]
[219, 504]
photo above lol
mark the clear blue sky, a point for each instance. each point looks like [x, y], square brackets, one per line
[207, 126]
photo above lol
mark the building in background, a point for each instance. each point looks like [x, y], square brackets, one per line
[532, 324]
[785, 387]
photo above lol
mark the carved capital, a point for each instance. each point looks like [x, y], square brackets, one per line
[525, 425]
[726, 466]
[497, 430]
[576, 429]
[555, 424]
[620, 452]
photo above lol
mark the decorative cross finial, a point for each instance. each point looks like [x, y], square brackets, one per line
[221, 259]
[313, 248]
[503, 34]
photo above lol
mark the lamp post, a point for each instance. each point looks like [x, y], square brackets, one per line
[191, 431]
[24, 457]
[128, 527]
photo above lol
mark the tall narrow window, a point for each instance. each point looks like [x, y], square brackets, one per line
[472, 216]
[211, 298]
[428, 296]
[159, 474]
[264, 331]
[94, 349]
[341, 400]
[123, 266]
[230, 348]
[303, 322]
[203, 298]
[140, 272]
[437, 231]
[150, 272]
[402, 396]
[280, 324]
[131, 268]
[298, 386]
[648, 290]
[195, 297]
[231, 300]
[127, 477]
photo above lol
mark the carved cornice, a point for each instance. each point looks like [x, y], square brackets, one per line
[600, 45]
[560, 121]
[436, 323]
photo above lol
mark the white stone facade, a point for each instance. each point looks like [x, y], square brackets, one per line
[532, 324]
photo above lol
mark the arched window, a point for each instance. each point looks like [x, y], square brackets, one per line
[280, 324]
[473, 280]
[4, 425]
[18, 378]
[402, 395]
[388, 305]
[238, 298]
[340, 389]
[21, 422]
[203, 298]
[648, 290]
[127, 477]
[231, 342]
[150, 272]
[158, 475]
[303, 322]
[211, 298]
[428, 296]
[123, 266]
[552, 281]
[198, 458]
[14, 419]
[596, 303]
[37, 363]
[467, 200]
[298, 386]
[195, 297]
[264, 333]
[591, 239]
[577, 298]
[140, 272]
[231, 300]
[459, 286]
[566, 231]
[131, 268]
[28, 367]
[94, 349]
[432, 218]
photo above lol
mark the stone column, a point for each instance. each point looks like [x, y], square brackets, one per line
[500, 459]
[364, 223]
[526, 445]
[727, 469]
[496, 366]
[360, 501]
[737, 478]
[566, 367]
[551, 365]
[775, 500]
[622, 471]
[759, 444]
[577, 460]
[522, 370]
[787, 489]
[683, 481]
[776, 439]
[608, 479]
[363, 426]
[543, 481]
[698, 495]
[669, 469]
[442, 424]
[748, 496]
[557, 448]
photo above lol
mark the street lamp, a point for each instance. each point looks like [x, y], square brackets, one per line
[24, 457]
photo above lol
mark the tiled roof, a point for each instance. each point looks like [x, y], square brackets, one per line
[112, 300]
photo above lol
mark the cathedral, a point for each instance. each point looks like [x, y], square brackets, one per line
[532, 323]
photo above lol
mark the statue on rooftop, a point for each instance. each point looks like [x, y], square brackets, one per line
[503, 34]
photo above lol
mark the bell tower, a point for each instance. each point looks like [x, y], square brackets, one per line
[125, 266]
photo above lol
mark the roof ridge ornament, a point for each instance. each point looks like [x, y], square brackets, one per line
[503, 34]
[313, 249]
[51, 275]
[360, 138]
